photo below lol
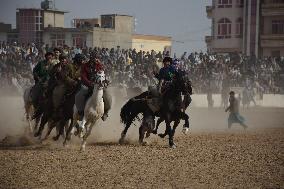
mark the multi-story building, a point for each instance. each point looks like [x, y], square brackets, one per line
[31, 23]
[272, 28]
[252, 27]
[46, 25]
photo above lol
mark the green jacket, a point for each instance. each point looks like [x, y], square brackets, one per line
[41, 71]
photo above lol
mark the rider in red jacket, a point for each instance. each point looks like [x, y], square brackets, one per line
[88, 73]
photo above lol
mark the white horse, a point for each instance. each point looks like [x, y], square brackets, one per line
[93, 111]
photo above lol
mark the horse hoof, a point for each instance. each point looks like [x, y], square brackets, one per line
[185, 130]
[55, 138]
[145, 143]
[82, 149]
[161, 135]
[155, 132]
[121, 141]
[36, 134]
[173, 146]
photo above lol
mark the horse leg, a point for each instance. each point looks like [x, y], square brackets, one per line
[141, 133]
[36, 123]
[123, 133]
[51, 125]
[69, 130]
[160, 120]
[170, 133]
[88, 132]
[60, 126]
[43, 121]
[185, 117]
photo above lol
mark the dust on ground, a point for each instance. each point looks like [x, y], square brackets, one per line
[210, 156]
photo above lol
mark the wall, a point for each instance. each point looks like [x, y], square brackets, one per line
[109, 38]
[267, 51]
[124, 24]
[3, 36]
[269, 100]
[49, 19]
[148, 45]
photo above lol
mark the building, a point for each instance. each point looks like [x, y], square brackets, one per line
[272, 28]
[31, 23]
[86, 22]
[4, 29]
[151, 42]
[108, 31]
[46, 25]
[252, 27]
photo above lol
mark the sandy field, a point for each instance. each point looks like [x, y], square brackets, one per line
[210, 156]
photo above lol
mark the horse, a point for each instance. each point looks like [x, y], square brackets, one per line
[129, 113]
[65, 114]
[186, 102]
[169, 111]
[93, 111]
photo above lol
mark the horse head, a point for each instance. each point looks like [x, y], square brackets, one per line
[100, 79]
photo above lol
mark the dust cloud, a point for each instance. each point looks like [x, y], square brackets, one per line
[13, 124]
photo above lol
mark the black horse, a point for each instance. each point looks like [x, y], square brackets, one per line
[61, 119]
[187, 92]
[170, 109]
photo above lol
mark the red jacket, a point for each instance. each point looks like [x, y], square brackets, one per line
[88, 72]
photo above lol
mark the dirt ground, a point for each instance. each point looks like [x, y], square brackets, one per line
[210, 156]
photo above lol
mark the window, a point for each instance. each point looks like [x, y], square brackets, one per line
[224, 3]
[224, 28]
[277, 26]
[79, 40]
[239, 28]
[240, 3]
[57, 39]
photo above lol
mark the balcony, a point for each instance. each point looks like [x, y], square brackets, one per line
[272, 40]
[209, 11]
[273, 9]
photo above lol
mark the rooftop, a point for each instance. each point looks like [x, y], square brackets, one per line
[152, 37]
[49, 10]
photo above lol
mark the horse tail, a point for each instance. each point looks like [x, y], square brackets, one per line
[129, 112]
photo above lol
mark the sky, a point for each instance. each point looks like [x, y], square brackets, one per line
[184, 20]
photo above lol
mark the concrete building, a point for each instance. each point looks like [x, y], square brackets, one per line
[31, 23]
[151, 42]
[4, 29]
[108, 31]
[46, 25]
[252, 27]
[272, 28]
[86, 22]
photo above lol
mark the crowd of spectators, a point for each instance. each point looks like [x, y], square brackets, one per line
[131, 68]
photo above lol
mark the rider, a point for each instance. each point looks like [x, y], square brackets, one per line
[88, 73]
[41, 76]
[66, 81]
[166, 74]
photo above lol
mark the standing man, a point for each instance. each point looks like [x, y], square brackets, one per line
[234, 116]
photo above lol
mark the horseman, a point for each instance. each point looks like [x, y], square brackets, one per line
[41, 75]
[66, 77]
[88, 74]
